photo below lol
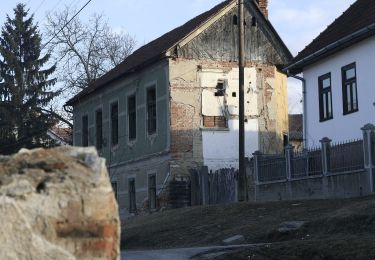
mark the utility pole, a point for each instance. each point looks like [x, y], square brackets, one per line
[241, 63]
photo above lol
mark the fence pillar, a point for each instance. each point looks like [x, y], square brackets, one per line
[289, 154]
[326, 155]
[368, 132]
[257, 155]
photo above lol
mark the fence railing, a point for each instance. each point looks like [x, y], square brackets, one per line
[329, 159]
[307, 163]
[272, 168]
[347, 156]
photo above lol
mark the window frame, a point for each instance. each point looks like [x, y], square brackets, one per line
[114, 141]
[322, 92]
[152, 191]
[132, 200]
[99, 137]
[151, 119]
[345, 82]
[134, 124]
[85, 130]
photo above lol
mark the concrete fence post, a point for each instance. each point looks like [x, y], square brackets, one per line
[326, 155]
[289, 155]
[257, 155]
[368, 132]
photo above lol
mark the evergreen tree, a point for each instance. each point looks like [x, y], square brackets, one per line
[25, 87]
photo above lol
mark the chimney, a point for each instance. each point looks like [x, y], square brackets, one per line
[263, 6]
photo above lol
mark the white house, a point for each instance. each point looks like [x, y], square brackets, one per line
[339, 72]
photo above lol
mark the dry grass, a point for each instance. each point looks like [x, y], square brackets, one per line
[331, 226]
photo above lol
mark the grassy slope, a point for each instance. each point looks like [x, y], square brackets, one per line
[333, 226]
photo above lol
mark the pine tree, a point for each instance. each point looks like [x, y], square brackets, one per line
[25, 87]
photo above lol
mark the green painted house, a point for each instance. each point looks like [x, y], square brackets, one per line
[172, 105]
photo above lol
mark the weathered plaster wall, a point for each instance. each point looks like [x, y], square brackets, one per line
[272, 109]
[185, 107]
[140, 171]
[147, 153]
[193, 87]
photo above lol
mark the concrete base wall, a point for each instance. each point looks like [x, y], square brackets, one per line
[346, 185]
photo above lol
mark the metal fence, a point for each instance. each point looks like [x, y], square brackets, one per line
[272, 168]
[343, 157]
[346, 156]
[307, 163]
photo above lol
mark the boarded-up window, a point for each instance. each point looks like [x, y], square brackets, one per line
[99, 129]
[132, 201]
[152, 191]
[114, 123]
[151, 110]
[132, 114]
[215, 121]
[85, 131]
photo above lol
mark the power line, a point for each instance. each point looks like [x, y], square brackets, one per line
[62, 28]
[39, 6]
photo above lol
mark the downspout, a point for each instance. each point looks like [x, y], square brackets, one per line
[304, 117]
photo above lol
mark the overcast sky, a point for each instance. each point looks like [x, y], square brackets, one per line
[297, 21]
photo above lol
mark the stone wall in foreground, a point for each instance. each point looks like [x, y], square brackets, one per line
[57, 204]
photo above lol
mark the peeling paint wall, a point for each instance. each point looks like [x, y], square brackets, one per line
[193, 87]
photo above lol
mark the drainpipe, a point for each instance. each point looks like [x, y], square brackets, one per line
[304, 107]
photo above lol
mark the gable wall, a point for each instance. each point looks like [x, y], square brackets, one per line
[204, 60]
[220, 42]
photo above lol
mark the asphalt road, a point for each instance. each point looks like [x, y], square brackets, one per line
[181, 253]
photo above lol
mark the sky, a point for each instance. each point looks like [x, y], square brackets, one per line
[298, 22]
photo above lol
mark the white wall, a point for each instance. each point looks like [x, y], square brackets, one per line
[342, 127]
[220, 147]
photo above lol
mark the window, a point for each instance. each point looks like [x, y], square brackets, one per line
[114, 123]
[215, 121]
[152, 191]
[132, 200]
[325, 97]
[85, 131]
[114, 188]
[132, 115]
[349, 89]
[99, 129]
[151, 110]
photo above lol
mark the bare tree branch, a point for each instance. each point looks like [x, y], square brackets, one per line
[85, 51]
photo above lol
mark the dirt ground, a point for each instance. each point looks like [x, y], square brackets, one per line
[334, 229]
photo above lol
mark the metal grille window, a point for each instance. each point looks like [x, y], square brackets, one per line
[85, 131]
[114, 123]
[151, 110]
[99, 129]
[152, 191]
[132, 199]
[325, 97]
[349, 89]
[132, 115]
[215, 122]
